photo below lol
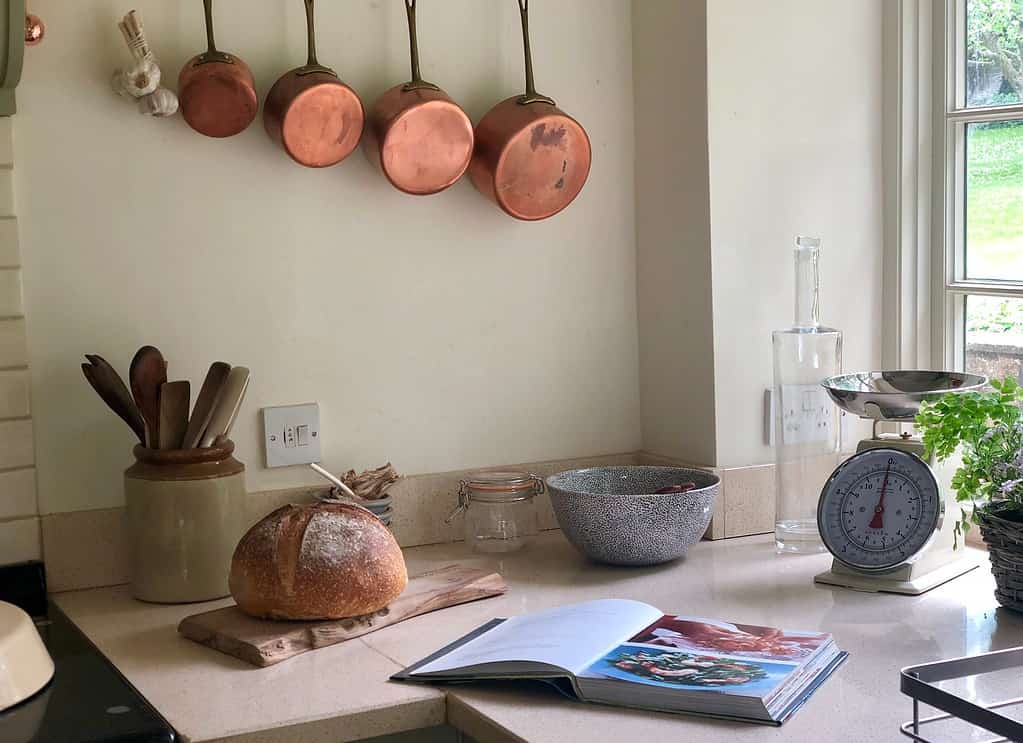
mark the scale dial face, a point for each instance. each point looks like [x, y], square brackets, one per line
[879, 509]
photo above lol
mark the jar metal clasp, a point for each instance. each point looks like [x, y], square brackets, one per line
[463, 501]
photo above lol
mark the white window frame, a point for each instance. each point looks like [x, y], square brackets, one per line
[925, 286]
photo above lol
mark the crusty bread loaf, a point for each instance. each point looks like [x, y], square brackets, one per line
[319, 561]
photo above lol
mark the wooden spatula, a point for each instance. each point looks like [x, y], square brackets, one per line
[148, 371]
[209, 394]
[175, 398]
[226, 409]
[112, 389]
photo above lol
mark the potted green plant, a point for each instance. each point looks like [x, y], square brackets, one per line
[986, 429]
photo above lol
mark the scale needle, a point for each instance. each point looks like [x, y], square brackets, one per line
[878, 521]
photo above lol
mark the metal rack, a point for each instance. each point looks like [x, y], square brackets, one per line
[920, 683]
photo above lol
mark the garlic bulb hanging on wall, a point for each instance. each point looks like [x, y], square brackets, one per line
[142, 80]
[160, 103]
[143, 77]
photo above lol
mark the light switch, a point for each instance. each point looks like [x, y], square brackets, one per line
[292, 434]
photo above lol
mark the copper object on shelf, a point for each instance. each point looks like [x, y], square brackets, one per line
[311, 113]
[216, 90]
[418, 137]
[35, 29]
[531, 158]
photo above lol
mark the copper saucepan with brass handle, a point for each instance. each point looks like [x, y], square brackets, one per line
[216, 90]
[531, 158]
[416, 135]
[311, 113]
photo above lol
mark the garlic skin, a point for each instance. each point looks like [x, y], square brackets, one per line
[159, 104]
[117, 83]
[140, 80]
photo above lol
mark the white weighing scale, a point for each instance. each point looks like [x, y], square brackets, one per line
[887, 514]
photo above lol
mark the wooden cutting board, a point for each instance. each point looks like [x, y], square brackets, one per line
[264, 642]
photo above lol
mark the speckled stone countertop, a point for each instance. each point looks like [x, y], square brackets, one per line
[341, 693]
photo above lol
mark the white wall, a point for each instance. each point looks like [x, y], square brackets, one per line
[676, 327]
[437, 333]
[795, 148]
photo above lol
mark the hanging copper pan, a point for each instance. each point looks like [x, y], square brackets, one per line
[531, 158]
[416, 135]
[311, 113]
[216, 91]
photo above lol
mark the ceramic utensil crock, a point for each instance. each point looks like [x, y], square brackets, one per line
[186, 513]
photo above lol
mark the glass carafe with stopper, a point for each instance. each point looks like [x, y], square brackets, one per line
[807, 430]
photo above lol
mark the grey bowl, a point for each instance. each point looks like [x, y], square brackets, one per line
[612, 514]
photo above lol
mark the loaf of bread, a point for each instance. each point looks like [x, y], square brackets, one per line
[319, 561]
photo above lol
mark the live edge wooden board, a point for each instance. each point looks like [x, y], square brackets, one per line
[264, 642]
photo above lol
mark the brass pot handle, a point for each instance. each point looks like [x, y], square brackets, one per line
[311, 64]
[531, 96]
[417, 82]
[212, 54]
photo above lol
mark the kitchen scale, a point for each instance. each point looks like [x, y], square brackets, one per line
[887, 514]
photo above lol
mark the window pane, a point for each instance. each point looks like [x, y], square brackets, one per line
[994, 200]
[994, 52]
[994, 336]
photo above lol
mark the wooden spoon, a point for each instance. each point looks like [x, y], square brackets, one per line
[174, 401]
[209, 394]
[148, 371]
[226, 409]
[111, 388]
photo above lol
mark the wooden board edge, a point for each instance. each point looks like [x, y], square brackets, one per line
[486, 585]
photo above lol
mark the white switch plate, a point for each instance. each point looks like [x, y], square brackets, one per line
[291, 434]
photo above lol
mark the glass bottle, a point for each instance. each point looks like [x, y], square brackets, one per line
[807, 430]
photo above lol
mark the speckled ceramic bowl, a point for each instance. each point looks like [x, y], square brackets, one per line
[612, 514]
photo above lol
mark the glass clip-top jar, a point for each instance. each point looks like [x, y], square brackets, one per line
[500, 514]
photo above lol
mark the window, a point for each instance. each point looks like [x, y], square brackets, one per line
[982, 261]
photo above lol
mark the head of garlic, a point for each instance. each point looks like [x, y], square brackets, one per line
[160, 103]
[140, 80]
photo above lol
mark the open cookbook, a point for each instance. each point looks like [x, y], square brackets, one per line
[629, 654]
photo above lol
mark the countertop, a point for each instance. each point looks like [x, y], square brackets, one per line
[341, 693]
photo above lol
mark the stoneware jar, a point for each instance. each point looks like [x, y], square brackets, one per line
[186, 513]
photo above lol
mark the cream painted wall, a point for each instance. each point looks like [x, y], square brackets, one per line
[795, 147]
[676, 327]
[434, 332]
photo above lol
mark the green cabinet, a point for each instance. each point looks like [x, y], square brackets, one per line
[12, 51]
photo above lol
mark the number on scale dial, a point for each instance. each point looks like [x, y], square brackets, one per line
[879, 509]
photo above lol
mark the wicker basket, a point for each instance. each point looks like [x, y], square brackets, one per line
[1004, 538]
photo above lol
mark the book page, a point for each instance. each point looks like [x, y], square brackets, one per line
[691, 653]
[742, 640]
[569, 637]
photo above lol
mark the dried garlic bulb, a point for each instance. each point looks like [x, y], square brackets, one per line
[371, 484]
[143, 77]
[160, 103]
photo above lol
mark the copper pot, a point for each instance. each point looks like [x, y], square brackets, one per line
[531, 158]
[35, 29]
[311, 113]
[416, 135]
[216, 90]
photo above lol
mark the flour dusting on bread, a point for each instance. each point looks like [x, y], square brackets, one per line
[318, 561]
